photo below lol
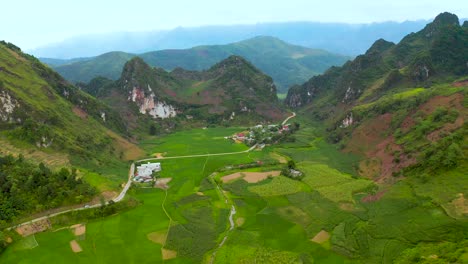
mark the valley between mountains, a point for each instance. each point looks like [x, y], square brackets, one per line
[363, 160]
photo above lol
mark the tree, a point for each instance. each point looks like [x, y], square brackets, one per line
[152, 130]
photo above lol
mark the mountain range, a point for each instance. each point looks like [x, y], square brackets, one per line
[341, 38]
[398, 99]
[287, 64]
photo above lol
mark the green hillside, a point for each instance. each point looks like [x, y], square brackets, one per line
[403, 109]
[287, 64]
[231, 92]
[46, 120]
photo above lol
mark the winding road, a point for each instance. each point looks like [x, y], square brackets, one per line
[122, 194]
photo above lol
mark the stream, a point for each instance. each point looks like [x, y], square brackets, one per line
[231, 222]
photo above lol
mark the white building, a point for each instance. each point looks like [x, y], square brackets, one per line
[146, 170]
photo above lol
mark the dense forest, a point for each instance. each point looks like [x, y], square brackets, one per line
[28, 188]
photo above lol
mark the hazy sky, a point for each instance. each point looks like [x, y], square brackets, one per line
[32, 23]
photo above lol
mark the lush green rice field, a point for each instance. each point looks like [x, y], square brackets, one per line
[275, 219]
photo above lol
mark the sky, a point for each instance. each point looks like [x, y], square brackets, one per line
[33, 23]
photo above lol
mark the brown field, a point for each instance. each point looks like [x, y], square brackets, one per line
[250, 177]
[321, 237]
[231, 177]
[168, 254]
[75, 246]
[79, 229]
[29, 229]
[157, 237]
[162, 183]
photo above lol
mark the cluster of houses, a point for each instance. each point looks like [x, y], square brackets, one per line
[261, 134]
[144, 172]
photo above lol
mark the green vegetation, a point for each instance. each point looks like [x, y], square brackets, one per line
[333, 184]
[287, 64]
[392, 191]
[26, 188]
[277, 186]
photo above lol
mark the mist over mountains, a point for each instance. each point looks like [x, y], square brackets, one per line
[346, 39]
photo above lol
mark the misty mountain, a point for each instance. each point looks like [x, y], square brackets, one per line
[287, 64]
[348, 39]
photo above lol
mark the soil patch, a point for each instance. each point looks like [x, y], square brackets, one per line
[231, 177]
[168, 254]
[108, 195]
[250, 177]
[368, 135]
[78, 229]
[374, 197]
[279, 158]
[80, 112]
[36, 227]
[162, 183]
[460, 83]
[75, 246]
[157, 237]
[128, 150]
[240, 221]
[321, 237]
[447, 128]
[458, 208]
[254, 177]
[158, 155]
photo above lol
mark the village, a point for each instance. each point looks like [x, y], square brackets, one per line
[262, 135]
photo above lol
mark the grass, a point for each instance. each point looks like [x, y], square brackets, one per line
[279, 215]
[195, 141]
[277, 186]
[331, 183]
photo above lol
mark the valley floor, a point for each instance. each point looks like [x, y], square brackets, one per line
[237, 209]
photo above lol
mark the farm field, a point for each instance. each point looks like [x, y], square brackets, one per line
[324, 218]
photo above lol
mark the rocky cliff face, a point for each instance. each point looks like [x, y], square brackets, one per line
[8, 105]
[148, 103]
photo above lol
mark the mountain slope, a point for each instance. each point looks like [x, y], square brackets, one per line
[287, 64]
[232, 91]
[403, 109]
[40, 111]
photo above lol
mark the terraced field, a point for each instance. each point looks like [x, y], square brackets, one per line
[330, 216]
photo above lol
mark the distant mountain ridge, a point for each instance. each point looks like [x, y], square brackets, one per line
[287, 64]
[341, 38]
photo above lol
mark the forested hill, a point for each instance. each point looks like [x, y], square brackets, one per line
[401, 106]
[231, 92]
